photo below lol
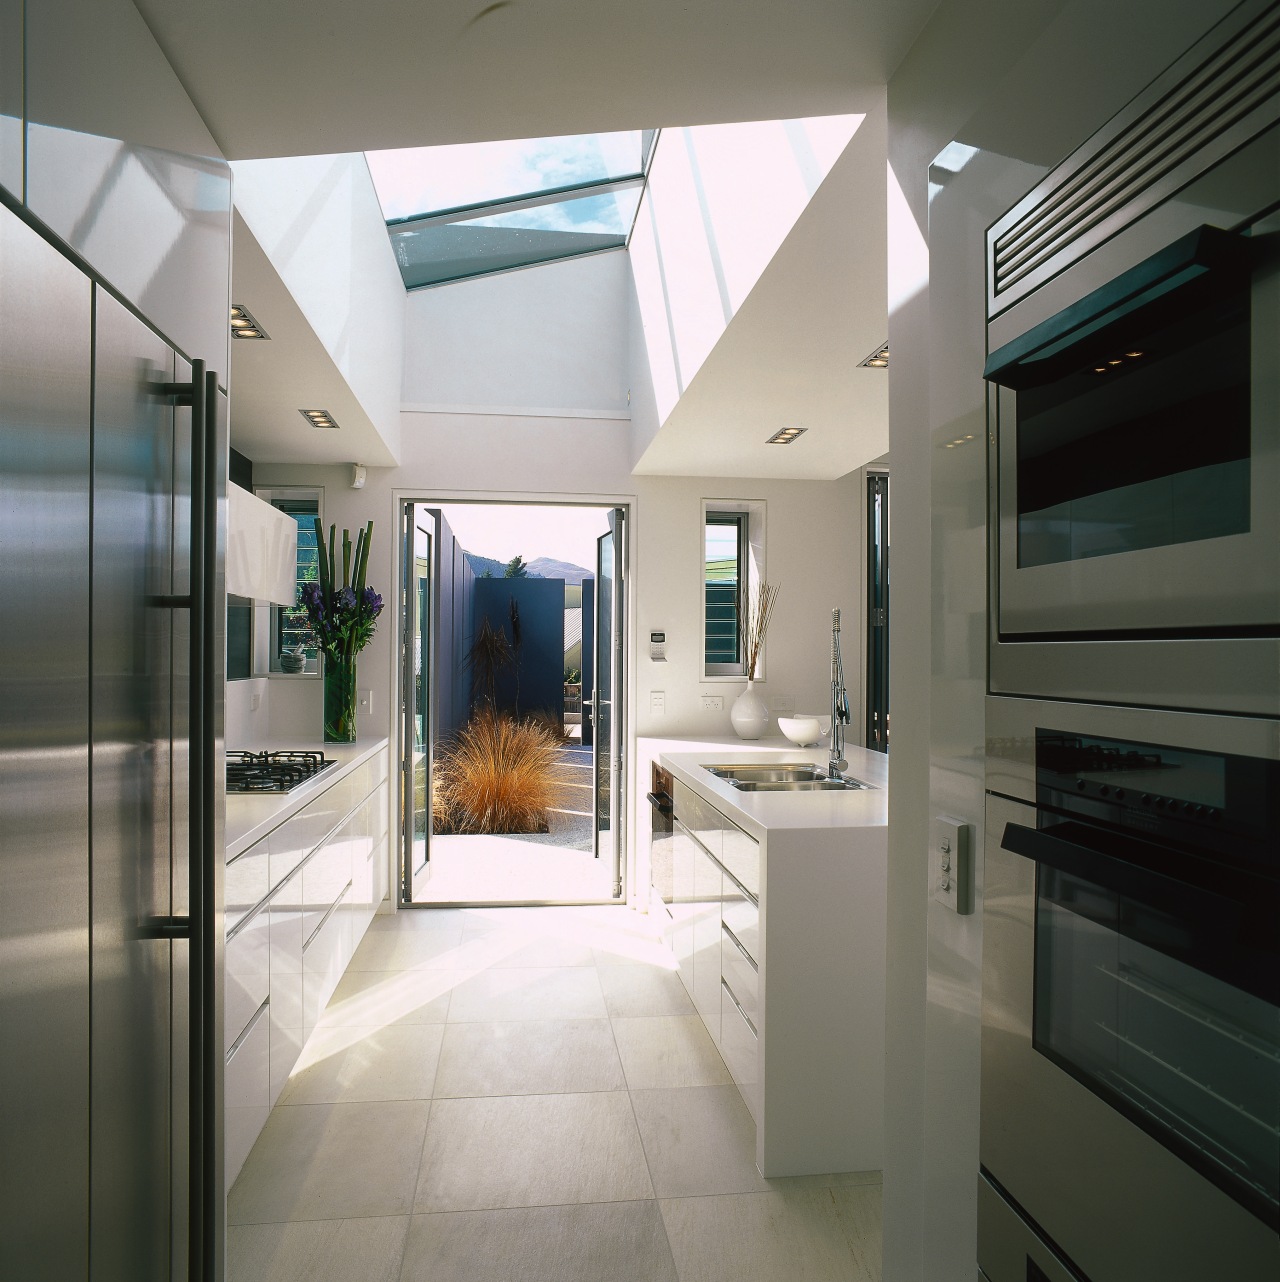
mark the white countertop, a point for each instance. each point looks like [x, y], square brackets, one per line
[251, 815]
[763, 812]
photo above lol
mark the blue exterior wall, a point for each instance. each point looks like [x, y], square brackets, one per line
[541, 657]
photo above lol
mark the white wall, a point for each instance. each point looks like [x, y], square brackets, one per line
[318, 220]
[719, 202]
[547, 340]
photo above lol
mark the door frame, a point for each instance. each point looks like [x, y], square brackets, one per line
[434, 497]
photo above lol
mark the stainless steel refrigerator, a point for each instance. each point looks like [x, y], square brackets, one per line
[111, 461]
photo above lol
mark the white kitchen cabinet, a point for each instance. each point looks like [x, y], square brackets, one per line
[683, 849]
[708, 883]
[304, 893]
[791, 985]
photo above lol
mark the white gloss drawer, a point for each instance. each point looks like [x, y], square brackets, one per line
[740, 1048]
[740, 975]
[247, 882]
[743, 918]
[248, 972]
[740, 854]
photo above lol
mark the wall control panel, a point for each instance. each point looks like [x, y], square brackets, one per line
[951, 863]
[658, 647]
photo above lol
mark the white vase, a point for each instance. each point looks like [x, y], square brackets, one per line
[749, 714]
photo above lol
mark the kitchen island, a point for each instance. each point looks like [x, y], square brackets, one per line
[777, 920]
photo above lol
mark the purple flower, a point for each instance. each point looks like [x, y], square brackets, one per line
[371, 602]
[345, 599]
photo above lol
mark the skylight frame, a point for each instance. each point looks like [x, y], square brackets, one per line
[525, 201]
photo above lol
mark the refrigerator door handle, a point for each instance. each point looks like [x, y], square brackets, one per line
[201, 394]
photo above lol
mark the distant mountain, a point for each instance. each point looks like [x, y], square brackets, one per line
[544, 567]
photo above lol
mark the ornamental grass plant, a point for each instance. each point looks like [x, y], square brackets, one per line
[498, 775]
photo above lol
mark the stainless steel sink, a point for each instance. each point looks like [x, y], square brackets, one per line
[787, 777]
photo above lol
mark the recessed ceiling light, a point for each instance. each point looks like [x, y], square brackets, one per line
[243, 324]
[879, 359]
[786, 436]
[318, 418]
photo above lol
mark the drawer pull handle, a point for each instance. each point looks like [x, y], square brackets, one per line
[249, 1027]
[738, 1006]
[753, 898]
[324, 921]
[737, 943]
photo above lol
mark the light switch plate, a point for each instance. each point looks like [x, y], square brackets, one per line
[657, 702]
[783, 705]
[951, 863]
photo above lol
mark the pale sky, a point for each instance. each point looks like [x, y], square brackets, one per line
[503, 530]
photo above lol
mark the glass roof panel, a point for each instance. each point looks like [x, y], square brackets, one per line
[433, 251]
[424, 180]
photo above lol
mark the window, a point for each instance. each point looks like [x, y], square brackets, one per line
[289, 624]
[732, 562]
[877, 736]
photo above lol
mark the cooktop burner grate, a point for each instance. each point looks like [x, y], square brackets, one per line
[272, 771]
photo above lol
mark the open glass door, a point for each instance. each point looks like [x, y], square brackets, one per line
[415, 702]
[608, 701]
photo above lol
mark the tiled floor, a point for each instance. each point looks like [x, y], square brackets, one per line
[526, 1094]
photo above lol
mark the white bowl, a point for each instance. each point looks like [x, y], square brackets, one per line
[805, 729]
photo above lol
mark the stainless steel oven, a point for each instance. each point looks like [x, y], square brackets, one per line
[1134, 364]
[1131, 996]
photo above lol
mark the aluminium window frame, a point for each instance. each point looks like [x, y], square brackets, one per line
[751, 572]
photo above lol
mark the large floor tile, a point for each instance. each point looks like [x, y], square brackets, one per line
[698, 1140]
[643, 990]
[533, 992]
[597, 1243]
[370, 1250]
[802, 1235]
[668, 1050]
[408, 949]
[378, 998]
[531, 1150]
[532, 1057]
[437, 919]
[341, 1065]
[506, 948]
[331, 1162]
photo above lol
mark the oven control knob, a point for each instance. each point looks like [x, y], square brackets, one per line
[1146, 798]
[1161, 802]
[1119, 794]
[1210, 813]
[946, 865]
[945, 883]
[1080, 784]
[1104, 791]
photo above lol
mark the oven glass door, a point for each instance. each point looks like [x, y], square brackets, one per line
[1127, 1002]
[1139, 461]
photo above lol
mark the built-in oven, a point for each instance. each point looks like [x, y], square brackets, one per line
[1130, 1126]
[1134, 367]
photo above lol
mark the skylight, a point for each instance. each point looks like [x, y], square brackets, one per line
[467, 210]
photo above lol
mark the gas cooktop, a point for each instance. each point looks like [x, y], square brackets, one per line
[272, 771]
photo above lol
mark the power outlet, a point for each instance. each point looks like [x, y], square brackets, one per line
[364, 700]
[713, 703]
[783, 705]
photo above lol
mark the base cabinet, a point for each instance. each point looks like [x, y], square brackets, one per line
[715, 926]
[286, 953]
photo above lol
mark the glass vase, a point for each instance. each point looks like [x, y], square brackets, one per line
[339, 700]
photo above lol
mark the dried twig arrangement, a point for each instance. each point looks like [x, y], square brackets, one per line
[754, 610]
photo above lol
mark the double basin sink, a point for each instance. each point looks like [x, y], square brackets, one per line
[798, 777]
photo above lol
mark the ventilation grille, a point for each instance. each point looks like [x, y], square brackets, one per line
[1187, 120]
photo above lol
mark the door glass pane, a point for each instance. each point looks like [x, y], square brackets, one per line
[1192, 1060]
[603, 729]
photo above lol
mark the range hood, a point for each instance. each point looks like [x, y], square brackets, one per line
[262, 550]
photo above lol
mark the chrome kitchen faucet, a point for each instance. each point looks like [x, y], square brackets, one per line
[839, 702]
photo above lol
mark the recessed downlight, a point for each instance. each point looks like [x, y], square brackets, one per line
[786, 436]
[879, 359]
[319, 418]
[244, 324]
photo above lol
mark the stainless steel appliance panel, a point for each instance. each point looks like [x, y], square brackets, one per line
[45, 370]
[131, 786]
[11, 86]
[1105, 1190]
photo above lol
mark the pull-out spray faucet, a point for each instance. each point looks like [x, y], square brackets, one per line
[839, 702]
